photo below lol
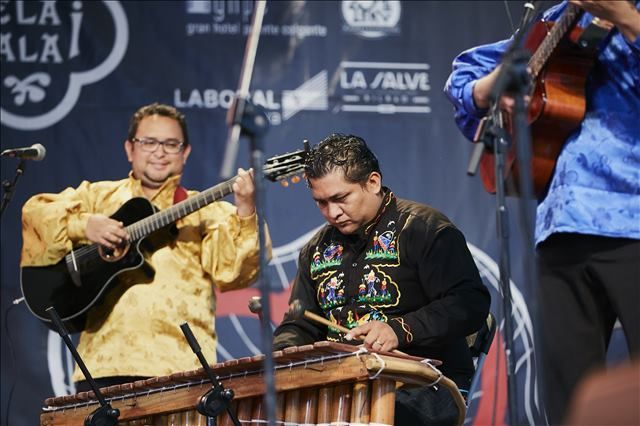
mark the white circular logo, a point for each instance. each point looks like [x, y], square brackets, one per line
[371, 18]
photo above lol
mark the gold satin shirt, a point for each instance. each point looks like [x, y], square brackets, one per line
[141, 336]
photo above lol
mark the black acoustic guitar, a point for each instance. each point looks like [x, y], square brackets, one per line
[87, 273]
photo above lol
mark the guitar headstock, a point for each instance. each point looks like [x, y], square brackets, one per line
[289, 165]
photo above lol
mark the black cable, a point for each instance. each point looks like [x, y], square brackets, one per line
[496, 376]
[506, 8]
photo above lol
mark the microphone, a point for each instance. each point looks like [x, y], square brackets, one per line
[35, 152]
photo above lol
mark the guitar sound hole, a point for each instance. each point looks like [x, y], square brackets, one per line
[113, 255]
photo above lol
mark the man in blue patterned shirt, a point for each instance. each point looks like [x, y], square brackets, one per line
[588, 222]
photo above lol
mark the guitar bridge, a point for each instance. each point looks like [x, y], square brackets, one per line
[72, 267]
[591, 38]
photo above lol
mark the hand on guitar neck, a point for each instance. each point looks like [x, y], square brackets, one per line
[622, 14]
[244, 192]
[111, 233]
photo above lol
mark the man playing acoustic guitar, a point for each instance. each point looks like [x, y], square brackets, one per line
[588, 217]
[133, 330]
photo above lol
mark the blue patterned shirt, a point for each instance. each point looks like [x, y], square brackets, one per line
[595, 188]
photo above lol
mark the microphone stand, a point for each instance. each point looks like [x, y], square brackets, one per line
[494, 137]
[105, 415]
[518, 81]
[513, 77]
[251, 120]
[8, 187]
[254, 124]
[217, 399]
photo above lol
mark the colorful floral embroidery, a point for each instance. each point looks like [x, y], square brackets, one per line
[331, 292]
[372, 289]
[383, 247]
[353, 318]
[330, 257]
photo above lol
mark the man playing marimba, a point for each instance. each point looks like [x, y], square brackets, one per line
[397, 273]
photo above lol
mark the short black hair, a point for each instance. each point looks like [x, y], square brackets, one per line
[161, 110]
[348, 153]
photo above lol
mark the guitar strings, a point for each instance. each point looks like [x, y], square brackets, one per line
[149, 224]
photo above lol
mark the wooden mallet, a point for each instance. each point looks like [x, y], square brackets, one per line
[296, 311]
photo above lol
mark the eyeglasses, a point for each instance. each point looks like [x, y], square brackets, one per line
[170, 146]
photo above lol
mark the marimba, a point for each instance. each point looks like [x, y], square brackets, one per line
[323, 383]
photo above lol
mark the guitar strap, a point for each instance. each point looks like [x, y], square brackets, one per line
[180, 194]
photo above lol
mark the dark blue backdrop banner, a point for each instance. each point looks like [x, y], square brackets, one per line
[73, 72]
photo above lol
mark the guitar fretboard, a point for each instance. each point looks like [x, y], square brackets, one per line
[550, 42]
[146, 226]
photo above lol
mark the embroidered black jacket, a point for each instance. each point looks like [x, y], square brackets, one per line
[409, 267]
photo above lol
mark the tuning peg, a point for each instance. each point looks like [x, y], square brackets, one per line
[295, 179]
[284, 183]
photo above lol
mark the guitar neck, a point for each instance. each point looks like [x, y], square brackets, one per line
[152, 223]
[550, 42]
[276, 169]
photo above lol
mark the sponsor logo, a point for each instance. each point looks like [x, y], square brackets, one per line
[371, 19]
[384, 87]
[378, 87]
[41, 49]
[233, 17]
[311, 95]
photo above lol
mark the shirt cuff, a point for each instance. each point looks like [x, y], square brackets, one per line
[402, 330]
[469, 103]
[634, 46]
[77, 226]
[248, 223]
